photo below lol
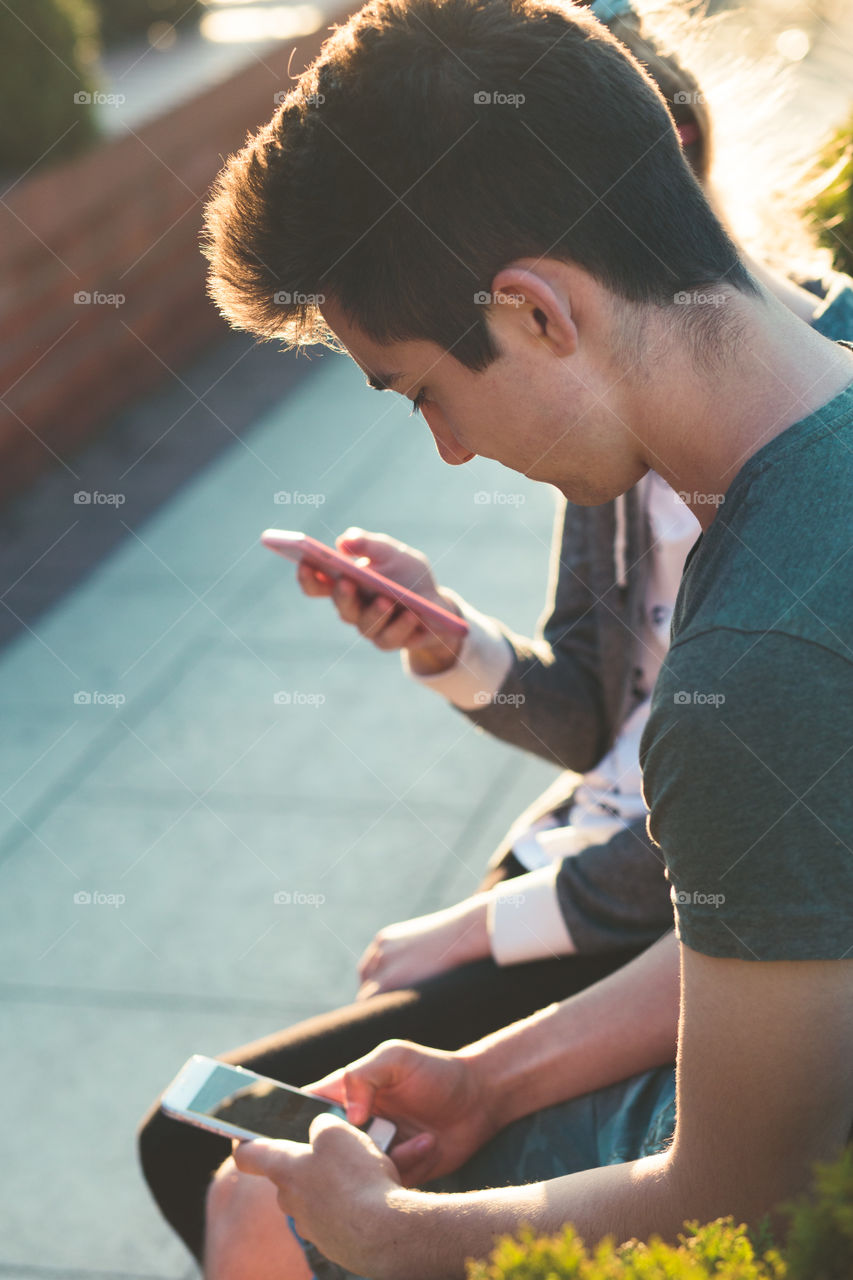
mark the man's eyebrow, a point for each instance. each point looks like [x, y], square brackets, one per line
[383, 381]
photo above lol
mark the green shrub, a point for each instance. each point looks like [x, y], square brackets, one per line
[49, 50]
[719, 1249]
[819, 1246]
[820, 1241]
[122, 19]
[831, 210]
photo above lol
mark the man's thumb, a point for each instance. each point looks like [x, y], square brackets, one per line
[257, 1156]
[326, 1120]
[354, 542]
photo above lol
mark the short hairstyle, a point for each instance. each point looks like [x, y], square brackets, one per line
[432, 143]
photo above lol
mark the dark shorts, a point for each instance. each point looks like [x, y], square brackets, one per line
[625, 1121]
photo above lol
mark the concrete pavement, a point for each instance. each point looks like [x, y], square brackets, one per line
[187, 737]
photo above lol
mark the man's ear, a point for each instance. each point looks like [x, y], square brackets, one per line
[519, 293]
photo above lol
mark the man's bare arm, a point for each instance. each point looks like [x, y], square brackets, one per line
[446, 1105]
[627, 1022]
[764, 1091]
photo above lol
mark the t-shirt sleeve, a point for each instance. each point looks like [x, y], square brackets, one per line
[748, 774]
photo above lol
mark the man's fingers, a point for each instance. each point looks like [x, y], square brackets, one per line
[312, 582]
[415, 1157]
[349, 1090]
[326, 1122]
[356, 542]
[399, 632]
[266, 1158]
[367, 963]
[360, 1093]
[375, 617]
[331, 1086]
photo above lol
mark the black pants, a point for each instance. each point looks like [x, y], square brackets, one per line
[443, 1012]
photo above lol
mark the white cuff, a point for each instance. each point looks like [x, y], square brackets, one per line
[524, 918]
[482, 666]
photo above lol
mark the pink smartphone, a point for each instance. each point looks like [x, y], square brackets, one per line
[298, 546]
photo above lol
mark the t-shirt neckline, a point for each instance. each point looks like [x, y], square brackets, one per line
[826, 414]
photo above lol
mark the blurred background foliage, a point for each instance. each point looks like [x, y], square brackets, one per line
[831, 210]
[50, 52]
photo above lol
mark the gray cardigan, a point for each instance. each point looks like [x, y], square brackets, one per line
[576, 681]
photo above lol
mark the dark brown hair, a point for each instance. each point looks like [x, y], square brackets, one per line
[435, 141]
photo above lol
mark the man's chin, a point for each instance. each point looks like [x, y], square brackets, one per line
[584, 494]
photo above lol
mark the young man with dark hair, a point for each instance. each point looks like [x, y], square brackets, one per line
[485, 203]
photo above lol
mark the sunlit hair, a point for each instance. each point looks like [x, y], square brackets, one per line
[435, 141]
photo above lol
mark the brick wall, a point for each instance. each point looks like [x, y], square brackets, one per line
[122, 219]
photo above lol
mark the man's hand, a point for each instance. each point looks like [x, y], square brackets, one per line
[437, 1100]
[335, 1189]
[383, 621]
[401, 954]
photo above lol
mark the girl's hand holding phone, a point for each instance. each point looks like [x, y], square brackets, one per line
[388, 624]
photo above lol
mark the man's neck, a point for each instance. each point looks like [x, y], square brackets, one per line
[701, 428]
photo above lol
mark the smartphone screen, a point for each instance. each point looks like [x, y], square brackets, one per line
[263, 1107]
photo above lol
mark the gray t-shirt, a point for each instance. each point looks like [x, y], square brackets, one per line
[748, 753]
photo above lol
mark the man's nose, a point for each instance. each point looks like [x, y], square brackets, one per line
[449, 451]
